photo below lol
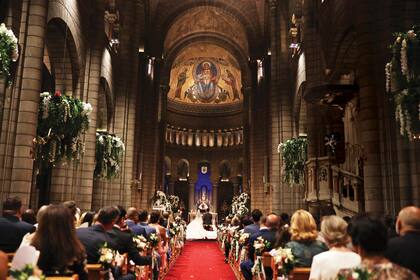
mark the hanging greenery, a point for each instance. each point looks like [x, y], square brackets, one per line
[294, 154]
[403, 82]
[8, 50]
[108, 155]
[61, 122]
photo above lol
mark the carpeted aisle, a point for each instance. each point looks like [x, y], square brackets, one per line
[200, 260]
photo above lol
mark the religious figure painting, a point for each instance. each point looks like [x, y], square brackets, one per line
[205, 79]
[205, 88]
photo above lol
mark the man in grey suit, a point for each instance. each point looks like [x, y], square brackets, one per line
[255, 227]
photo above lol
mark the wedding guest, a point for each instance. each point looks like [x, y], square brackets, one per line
[86, 219]
[11, 227]
[3, 265]
[161, 233]
[369, 238]
[255, 227]
[61, 253]
[143, 222]
[71, 205]
[304, 243]
[268, 232]
[94, 237]
[327, 264]
[29, 216]
[132, 222]
[124, 241]
[405, 250]
[284, 219]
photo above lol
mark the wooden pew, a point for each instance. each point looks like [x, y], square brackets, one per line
[300, 273]
[95, 272]
[74, 277]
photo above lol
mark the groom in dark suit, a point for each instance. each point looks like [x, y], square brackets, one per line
[207, 220]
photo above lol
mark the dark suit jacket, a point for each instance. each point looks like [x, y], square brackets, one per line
[267, 234]
[12, 231]
[252, 229]
[125, 244]
[207, 219]
[405, 251]
[135, 228]
[93, 238]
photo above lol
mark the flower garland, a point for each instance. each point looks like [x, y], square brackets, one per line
[294, 154]
[141, 243]
[108, 155]
[106, 256]
[402, 75]
[61, 122]
[8, 50]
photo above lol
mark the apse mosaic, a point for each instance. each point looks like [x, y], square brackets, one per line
[205, 74]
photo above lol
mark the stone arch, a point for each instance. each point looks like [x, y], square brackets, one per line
[225, 170]
[167, 166]
[62, 56]
[252, 28]
[183, 169]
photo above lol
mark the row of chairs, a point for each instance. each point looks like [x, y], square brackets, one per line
[300, 273]
[96, 272]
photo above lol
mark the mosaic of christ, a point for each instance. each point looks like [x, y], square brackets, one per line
[205, 80]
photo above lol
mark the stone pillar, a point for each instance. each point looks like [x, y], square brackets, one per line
[280, 107]
[27, 109]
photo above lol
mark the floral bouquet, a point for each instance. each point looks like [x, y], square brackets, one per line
[358, 273]
[174, 229]
[28, 272]
[284, 260]
[244, 238]
[174, 202]
[153, 240]
[8, 49]
[260, 244]
[106, 256]
[141, 242]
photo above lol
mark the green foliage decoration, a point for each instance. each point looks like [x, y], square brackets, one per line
[294, 154]
[61, 122]
[109, 154]
[403, 82]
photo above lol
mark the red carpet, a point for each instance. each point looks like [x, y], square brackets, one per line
[200, 260]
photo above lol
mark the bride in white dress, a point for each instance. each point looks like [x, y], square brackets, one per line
[195, 229]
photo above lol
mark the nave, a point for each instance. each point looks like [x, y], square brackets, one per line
[201, 260]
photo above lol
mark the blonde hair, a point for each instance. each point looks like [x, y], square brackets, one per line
[303, 226]
[334, 231]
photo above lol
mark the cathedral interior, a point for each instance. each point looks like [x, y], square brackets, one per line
[205, 94]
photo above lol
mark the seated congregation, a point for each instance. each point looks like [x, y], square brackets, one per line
[110, 244]
[363, 247]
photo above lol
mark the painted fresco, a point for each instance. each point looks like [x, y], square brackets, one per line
[205, 74]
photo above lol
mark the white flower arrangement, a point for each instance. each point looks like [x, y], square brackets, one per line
[243, 239]
[141, 243]
[284, 259]
[9, 50]
[238, 207]
[106, 256]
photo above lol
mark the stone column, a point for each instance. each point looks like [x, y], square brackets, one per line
[27, 110]
[280, 107]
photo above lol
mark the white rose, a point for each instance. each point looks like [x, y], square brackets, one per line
[355, 275]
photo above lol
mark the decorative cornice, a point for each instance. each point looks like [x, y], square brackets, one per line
[202, 110]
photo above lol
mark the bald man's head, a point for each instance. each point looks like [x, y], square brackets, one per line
[272, 221]
[408, 220]
[133, 214]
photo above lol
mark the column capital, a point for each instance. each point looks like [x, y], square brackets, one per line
[273, 5]
[164, 88]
